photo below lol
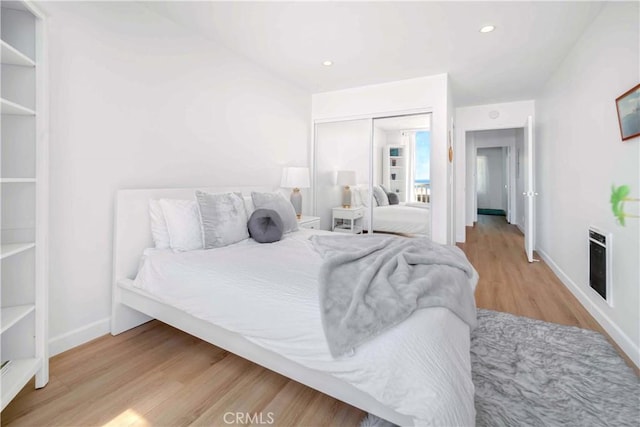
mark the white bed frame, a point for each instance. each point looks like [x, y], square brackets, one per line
[132, 307]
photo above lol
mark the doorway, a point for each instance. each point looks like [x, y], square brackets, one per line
[492, 181]
[502, 151]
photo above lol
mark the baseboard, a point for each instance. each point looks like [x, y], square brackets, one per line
[79, 336]
[614, 331]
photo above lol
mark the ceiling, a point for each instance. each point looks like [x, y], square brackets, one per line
[375, 42]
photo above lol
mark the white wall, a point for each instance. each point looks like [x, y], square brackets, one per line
[137, 102]
[580, 155]
[425, 94]
[510, 115]
[492, 196]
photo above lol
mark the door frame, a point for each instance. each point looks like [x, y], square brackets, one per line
[510, 178]
[471, 170]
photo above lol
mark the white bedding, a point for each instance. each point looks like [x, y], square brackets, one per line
[402, 218]
[268, 294]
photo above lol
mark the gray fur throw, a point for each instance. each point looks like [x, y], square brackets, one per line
[370, 283]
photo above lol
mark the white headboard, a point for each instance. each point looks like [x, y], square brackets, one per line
[132, 230]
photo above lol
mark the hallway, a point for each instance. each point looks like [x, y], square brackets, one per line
[511, 284]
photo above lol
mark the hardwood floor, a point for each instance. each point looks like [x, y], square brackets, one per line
[157, 375]
[508, 282]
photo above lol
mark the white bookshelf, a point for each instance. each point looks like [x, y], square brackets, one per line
[8, 107]
[394, 170]
[19, 372]
[12, 56]
[10, 249]
[23, 194]
[16, 180]
[12, 315]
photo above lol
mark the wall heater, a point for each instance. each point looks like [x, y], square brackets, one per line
[600, 263]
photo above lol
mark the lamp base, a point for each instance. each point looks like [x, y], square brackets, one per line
[346, 197]
[296, 201]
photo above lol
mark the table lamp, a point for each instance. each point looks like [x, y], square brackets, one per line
[296, 178]
[346, 178]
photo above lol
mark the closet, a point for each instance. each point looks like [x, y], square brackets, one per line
[23, 195]
[380, 154]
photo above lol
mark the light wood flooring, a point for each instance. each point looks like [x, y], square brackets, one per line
[157, 375]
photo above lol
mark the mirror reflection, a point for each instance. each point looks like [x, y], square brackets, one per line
[402, 162]
[374, 175]
[341, 168]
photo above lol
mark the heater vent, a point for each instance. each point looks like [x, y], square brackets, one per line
[600, 263]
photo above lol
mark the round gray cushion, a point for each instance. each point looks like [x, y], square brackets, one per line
[265, 226]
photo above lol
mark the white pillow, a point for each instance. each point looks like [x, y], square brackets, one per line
[159, 230]
[364, 196]
[248, 205]
[223, 218]
[380, 196]
[280, 204]
[183, 224]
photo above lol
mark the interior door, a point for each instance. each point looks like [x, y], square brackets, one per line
[529, 193]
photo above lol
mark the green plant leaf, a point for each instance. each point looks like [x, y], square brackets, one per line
[617, 202]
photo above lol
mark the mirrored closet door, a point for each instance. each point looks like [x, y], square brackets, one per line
[402, 163]
[342, 174]
[373, 175]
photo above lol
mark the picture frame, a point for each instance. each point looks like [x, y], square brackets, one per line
[628, 108]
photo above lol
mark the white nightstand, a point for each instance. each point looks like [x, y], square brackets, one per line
[312, 222]
[347, 220]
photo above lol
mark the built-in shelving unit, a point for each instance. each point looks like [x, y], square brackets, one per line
[10, 249]
[23, 194]
[394, 170]
[8, 107]
[12, 56]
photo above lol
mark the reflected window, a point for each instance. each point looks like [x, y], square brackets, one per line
[422, 166]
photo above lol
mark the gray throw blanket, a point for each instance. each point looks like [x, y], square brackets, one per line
[370, 283]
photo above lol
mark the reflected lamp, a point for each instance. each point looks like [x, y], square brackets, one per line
[346, 178]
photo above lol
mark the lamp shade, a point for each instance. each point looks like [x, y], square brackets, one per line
[295, 177]
[346, 177]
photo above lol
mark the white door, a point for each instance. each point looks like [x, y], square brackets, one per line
[529, 194]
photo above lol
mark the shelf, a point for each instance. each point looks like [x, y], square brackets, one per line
[12, 56]
[12, 315]
[16, 180]
[17, 375]
[14, 248]
[24, 314]
[9, 107]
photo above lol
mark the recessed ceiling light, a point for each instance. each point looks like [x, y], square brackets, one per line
[327, 63]
[487, 28]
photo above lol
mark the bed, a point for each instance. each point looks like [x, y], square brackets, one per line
[403, 218]
[411, 218]
[384, 376]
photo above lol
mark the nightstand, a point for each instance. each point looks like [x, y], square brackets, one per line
[311, 222]
[347, 220]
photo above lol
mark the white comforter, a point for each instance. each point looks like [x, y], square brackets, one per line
[414, 218]
[268, 293]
